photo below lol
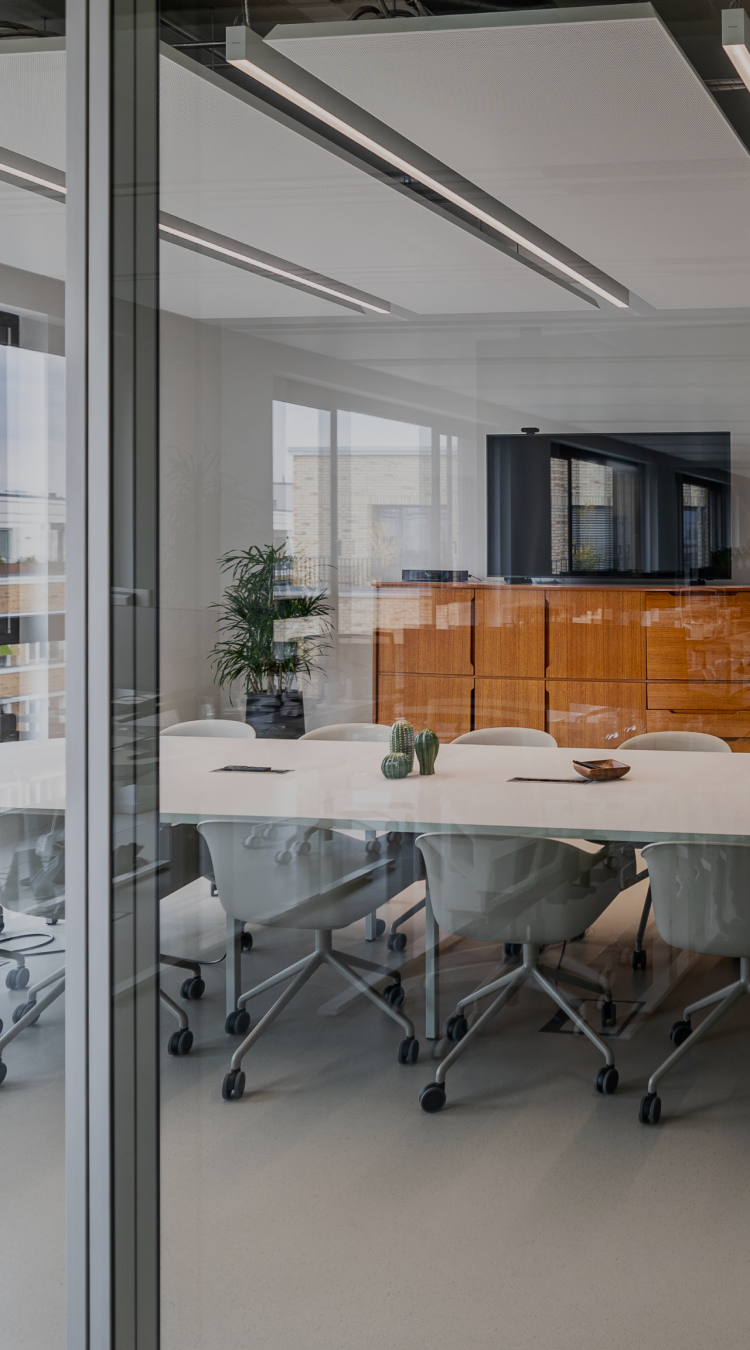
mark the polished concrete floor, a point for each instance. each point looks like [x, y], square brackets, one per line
[326, 1210]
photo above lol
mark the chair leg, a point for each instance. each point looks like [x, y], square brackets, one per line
[175, 1010]
[512, 983]
[31, 1016]
[709, 1001]
[488, 989]
[274, 979]
[339, 963]
[583, 1026]
[731, 996]
[407, 914]
[361, 964]
[309, 967]
[561, 975]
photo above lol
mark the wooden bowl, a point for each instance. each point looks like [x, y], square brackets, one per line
[601, 769]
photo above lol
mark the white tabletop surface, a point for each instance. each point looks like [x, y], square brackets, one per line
[666, 795]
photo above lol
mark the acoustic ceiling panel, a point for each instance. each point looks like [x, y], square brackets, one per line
[589, 122]
[235, 170]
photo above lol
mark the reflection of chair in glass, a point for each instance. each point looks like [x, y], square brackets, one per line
[701, 896]
[487, 736]
[288, 876]
[528, 890]
[666, 740]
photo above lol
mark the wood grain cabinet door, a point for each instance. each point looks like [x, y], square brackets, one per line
[509, 633]
[425, 630]
[692, 636]
[595, 713]
[509, 703]
[402, 613]
[442, 702]
[596, 633]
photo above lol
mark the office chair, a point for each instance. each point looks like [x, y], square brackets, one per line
[701, 896]
[528, 890]
[350, 731]
[507, 736]
[487, 736]
[211, 726]
[666, 740]
[287, 876]
[360, 731]
[49, 895]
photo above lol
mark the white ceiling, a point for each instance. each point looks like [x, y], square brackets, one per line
[235, 170]
[593, 126]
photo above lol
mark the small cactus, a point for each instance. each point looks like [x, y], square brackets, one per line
[426, 745]
[396, 765]
[402, 739]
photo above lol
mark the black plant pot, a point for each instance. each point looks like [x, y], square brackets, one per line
[276, 716]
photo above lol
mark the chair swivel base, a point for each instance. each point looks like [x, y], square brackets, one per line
[389, 1002]
[685, 1036]
[433, 1096]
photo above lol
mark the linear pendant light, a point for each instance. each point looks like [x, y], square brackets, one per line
[735, 39]
[278, 269]
[37, 177]
[239, 39]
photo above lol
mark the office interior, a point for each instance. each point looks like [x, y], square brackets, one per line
[371, 382]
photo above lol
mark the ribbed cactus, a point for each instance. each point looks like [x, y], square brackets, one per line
[402, 739]
[396, 765]
[426, 746]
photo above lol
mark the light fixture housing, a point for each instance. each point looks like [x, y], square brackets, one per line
[735, 39]
[248, 53]
[212, 245]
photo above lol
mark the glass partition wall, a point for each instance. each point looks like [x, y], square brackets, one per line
[32, 688]
[395, 373]
[420, 460]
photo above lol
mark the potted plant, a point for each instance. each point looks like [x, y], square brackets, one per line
[271, 630]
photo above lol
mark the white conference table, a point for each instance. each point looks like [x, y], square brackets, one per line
[338, 785]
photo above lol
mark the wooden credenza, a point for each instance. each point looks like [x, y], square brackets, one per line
[591, 665]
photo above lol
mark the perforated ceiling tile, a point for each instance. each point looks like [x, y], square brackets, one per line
[595, 128]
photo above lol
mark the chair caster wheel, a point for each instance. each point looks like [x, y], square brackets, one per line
[246, 942]
[455, 1028]
[512, 948]
[609, 1014]
[394, 994]
[649, 1110]
[679, 1033]
[17, 978]
[3, 1071]
[233, 1086]
[22, 1010]
[180, 1042]
[396, 942]
[408, 1051]
[214, 889]
[640, 960]
[192, 988]
[432, 1098]
[607, 1080]
[237, 1023]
